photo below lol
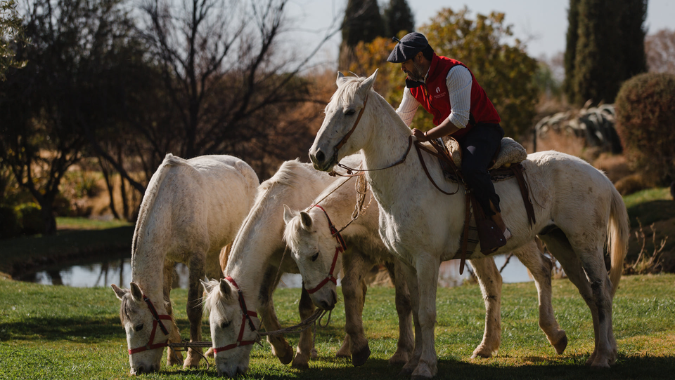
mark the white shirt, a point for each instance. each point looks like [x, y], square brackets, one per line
[459, 82]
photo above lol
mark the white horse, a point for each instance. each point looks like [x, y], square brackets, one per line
[191, 209]
[313, 246]
[577, 210]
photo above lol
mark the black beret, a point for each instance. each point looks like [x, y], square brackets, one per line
[408, 47]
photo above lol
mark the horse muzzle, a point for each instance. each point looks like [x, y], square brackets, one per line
[320, 160]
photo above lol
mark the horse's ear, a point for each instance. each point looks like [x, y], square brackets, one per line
[367, 84]
[136, 292]
[306, 220]
[225, 287]
[207, 286]
[340, 78]
[288, 214]
[118, 291]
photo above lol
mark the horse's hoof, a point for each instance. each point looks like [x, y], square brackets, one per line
[300, 362]
[481, 352]
[313, 354]
[343, 355]
[591, 359]
[210, 353]
[561, 345]
[359, 358]
[399, 359]
[286, 358]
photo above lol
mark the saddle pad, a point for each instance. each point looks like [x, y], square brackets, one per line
[511, 152]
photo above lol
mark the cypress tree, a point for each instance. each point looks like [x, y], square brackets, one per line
[609, 48]
[398, 17]
[571, 48]
[362, 22]
[632, 42]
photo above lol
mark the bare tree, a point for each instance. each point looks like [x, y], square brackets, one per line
[660, 49]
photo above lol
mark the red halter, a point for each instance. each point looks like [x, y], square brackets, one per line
[156, 321]
[341, 248]
[246, 315]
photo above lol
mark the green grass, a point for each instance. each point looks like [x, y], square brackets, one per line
[73, 333]
[75, 223]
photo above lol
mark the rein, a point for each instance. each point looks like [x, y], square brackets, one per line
[342, 246]
[157, 320]
[246, 315]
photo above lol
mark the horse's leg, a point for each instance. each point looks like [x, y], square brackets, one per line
[280, 347]
[354, 292]
[540, 267]
[559, 246]
[193, 308]
[173, 357]
[427, 282]
[410, 275]
[405, 345]
[490, 281]
[305, 343]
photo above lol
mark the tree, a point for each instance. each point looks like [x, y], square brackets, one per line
[10, 34]
[398, 17]
[362, 23]
[660, 51]
[505, 71]
[609, 48]
[71, 80]
[571, 47]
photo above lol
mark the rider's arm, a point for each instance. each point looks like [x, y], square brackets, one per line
[408, 107]
[458, 82]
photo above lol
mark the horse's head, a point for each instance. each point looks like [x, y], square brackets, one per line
[143, 331]
[226, 320]
[313, 248]
[342, 112]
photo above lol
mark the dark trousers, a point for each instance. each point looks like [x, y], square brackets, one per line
[479, 146]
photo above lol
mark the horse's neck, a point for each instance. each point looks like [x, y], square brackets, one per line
[147, 263]
[388, 142]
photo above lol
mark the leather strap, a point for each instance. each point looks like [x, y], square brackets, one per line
[524, 192]
[157, 320]
[344, 139]
[465, 232]
[342, 246]
[426, 171]
[246, 315]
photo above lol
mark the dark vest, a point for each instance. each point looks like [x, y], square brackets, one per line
[434, 96]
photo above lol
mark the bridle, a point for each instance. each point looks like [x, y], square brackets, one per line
[157, 320]
[342, 246]
[246, 315]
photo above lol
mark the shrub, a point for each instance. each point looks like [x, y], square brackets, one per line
[9, 222]
[632, 184]
[30, 215]
[645, 117]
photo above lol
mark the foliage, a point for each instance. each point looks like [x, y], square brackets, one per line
[660, 50]
[362, 23]
[504, 71]
[10, 224]
[77, 334]
[398, 17]
[30, 216]
[644, 118]
[546, 82]
[605, 46]
[78, 54]
[10, 34]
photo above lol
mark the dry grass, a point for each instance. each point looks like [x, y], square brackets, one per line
[633, 183]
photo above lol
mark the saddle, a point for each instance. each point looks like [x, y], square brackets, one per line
[506, 164]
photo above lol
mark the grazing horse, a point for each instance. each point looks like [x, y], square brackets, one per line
[191, 209]
[577, 211]
[314, 247]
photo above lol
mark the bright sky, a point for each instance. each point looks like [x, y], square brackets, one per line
[543, 23]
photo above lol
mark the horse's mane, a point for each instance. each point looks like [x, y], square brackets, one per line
[212, 298]
[347, 89]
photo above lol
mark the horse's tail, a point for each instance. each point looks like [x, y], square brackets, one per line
[151, 195]
[617, 237]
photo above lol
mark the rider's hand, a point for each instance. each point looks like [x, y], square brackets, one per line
[421, 137]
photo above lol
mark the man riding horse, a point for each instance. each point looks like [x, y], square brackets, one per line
[448, 90]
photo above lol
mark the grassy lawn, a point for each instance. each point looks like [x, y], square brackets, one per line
[74, 333]
[74, 223]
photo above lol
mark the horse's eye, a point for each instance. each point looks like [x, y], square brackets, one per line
[349, 112]
[138, 327]
[316, 256]
[225, 325]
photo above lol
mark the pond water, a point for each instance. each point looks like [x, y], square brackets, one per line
[116, 269]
